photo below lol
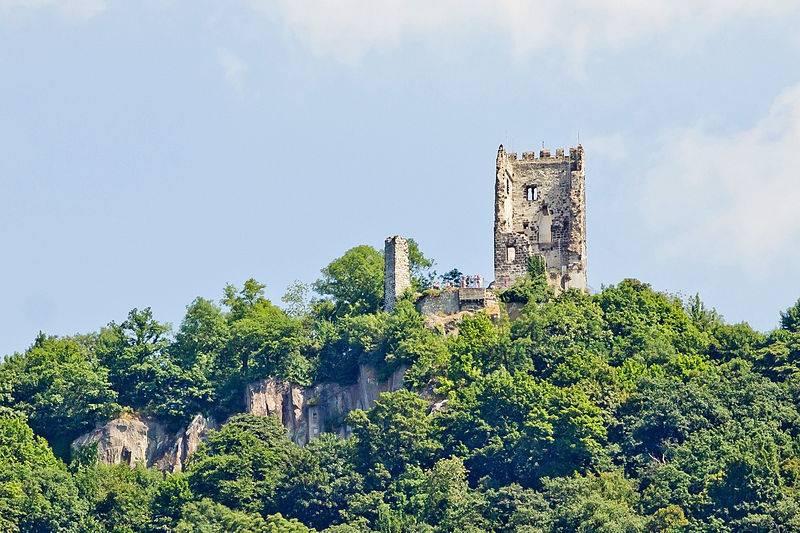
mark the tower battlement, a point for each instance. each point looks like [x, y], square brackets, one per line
[540, 211]
[544, 155]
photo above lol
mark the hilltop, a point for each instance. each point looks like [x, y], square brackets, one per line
[623, 410]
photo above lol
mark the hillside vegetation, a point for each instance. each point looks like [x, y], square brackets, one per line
[626, 410]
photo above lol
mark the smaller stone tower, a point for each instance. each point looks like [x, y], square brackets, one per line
[397, 271]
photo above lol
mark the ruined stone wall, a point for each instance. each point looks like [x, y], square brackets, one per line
[452, 300]
[397, 271]
[443, 303]
[540, 209]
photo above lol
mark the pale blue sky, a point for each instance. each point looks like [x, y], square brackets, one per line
[152, 151]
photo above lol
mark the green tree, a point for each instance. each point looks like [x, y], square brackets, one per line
[296, 299]
[203, 334]
[36, 491]
[450, 504]
[731, 341]
[243, 464]
[207, 516]
[452, 277]
[385, 341]
[354, 282]
[514, 428]
[703, 317]
[61, 387]
[239, 302]
[347, 342]
[728, 458]
[480, 347]
[395, 434]
[514, 508]
[790, 319]
[664, 412]
[262, 340]
[267, 342]
[422, 275]
[594, 503]
[549, 333]
[321, 483]
[532, 287]
[119, 497]
[407, 341]
[170, 496]
[190, 376]
[134, 352]
[647, 324]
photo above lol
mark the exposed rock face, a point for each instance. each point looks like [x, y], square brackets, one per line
[186, 443]
[133, 440]
[307, 412]
[129, 439]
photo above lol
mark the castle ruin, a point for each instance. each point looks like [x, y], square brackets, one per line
[540, 212]
[397, 271]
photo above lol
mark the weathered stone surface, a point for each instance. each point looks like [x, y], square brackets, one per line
[397, 271]
[540, 210]
[452, 300]
[442, 303]
[132, 439]
[307, 412]
[265, 397]
[129, 440]
[186, 443]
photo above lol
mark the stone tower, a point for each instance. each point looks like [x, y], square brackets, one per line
[540, 210]
[397, 271]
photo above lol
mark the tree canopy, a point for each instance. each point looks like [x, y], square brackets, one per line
[624, 410]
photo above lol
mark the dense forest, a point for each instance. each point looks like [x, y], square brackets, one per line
[623, 410]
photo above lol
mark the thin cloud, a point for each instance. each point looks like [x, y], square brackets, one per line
[613, 147]
[349, 29]
[73, 9]
[730, 199]
[234, 69]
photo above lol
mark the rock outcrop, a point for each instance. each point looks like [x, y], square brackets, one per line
[186, 443]
[129, 439]
[132, 439]
[304, 411]
[307, 412]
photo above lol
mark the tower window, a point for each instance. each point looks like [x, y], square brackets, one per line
[532, 193]
[511, 254]
[508, 186]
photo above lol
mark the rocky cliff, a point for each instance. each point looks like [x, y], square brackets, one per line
[304, 411]
[307, 412]
[132, 439]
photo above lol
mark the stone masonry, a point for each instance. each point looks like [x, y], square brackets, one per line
[397, 271]
[540, 210]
